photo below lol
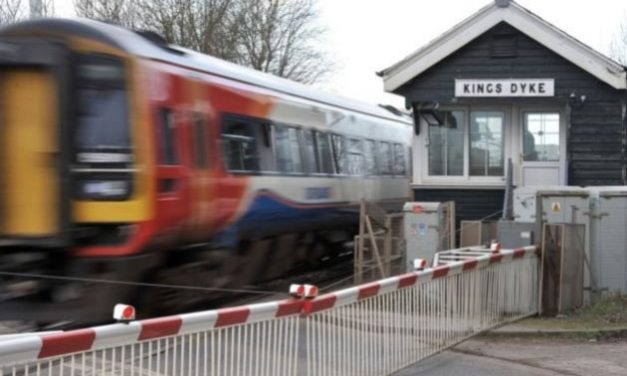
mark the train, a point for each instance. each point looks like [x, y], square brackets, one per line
[129, 161]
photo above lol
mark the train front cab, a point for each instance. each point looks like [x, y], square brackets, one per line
[74, 198]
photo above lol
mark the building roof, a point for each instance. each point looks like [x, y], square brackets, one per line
[573, 50]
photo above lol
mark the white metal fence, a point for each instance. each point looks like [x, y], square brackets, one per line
[372, 329]
[380, 328]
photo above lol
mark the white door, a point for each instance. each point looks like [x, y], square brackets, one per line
[543, 158]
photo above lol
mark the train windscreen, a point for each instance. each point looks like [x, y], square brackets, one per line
[102, 105]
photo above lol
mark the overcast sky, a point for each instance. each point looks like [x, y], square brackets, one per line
[365, 36]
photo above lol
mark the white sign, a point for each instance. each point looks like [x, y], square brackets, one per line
[544, 87]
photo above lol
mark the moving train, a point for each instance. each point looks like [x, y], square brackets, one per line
[128, 159]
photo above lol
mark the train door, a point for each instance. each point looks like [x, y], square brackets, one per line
[34, 205]
[201, 181]
[172, 177]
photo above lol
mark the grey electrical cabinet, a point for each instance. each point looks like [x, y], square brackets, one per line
[603, 213]
[513, 234]
[558, 204]
[609, 240]
[429, 227]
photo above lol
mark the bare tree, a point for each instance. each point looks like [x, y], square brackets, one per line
[122, 12]
[618, 46]
[10, 11]
[15, 10]
[283, 37]
[276, 36]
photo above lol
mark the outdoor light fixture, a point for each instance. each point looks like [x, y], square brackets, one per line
[429, 113]
[432, 117]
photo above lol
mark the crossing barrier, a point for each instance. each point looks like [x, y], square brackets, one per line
[372, 329]
[382, 327]
[259, 339]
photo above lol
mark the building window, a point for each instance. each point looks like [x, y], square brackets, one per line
[446, 145]
[486, 143]
[541, 137]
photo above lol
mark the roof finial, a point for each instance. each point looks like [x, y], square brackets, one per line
[502, 3]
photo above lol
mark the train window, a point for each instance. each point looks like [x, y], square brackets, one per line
[324, 153]
[339, 153]
[200, 140]
[167, 124]
[355, 158]
[311, 157]
[399, 159]
[385, 165]
[102, 104]
[240, 145]
[370, 156]
[287, 147]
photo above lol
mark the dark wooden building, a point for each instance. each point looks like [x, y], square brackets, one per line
[503, 85]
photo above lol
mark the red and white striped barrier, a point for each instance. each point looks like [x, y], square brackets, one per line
[372, 329]
[466, 260]
[35, 348]
[381, 327]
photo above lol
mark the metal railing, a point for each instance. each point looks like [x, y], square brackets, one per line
[372, 329]
[380, 328]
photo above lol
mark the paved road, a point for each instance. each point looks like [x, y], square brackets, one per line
[457, 364]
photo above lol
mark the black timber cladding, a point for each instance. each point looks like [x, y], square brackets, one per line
[596, 139]
[470, 204]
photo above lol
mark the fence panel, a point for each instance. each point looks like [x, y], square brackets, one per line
[382, 327]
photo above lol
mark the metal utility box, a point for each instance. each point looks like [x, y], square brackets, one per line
[429, 227]
[558, 204]
[513, 234]
[476, 233]
[609, 240]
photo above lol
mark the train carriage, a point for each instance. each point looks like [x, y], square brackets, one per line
[128, 159]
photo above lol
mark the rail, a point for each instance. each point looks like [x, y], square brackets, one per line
[372, 329]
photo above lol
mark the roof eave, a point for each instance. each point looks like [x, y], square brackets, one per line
[526, 22]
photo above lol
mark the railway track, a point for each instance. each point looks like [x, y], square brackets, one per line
[334, 273]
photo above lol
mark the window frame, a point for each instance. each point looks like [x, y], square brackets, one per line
[503, 142]
[301, 144]
[390, 170]
[339, 165]
[350, 151]
[258, 136]
[523, 124]
[403, 150]
[375, 171]
[421, 144]
[330, 155]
